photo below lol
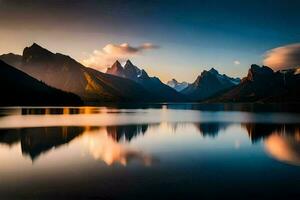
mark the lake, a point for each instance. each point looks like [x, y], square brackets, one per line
[160, 151]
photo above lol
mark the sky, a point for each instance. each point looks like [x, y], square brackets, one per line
[168, 38]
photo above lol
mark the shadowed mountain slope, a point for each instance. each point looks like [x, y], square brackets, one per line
[18, 88]
[65, 73]
[263, 85]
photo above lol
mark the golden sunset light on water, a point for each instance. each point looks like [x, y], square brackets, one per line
[102, 147]
[284, 148]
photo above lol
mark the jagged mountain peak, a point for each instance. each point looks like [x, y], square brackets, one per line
[131, 70]
[144, 74]
[36, 45]
[213, 71]
[178, 86]
[128, 62]
[209, 83]
[37, 53]
[256, 72]
[260, 69]
[37, 48]
[151, 84]
[205, 75]
[262, 84]
[116, 69]
[117, 64]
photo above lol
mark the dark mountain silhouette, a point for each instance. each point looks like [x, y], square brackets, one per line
[177, 85]
[208, 84]
[261, 131]
[18, 88]
[262, 84]
[36, 141]
[151, 84]
[128, 132]
[12, 59]
[211, 129]
[65, 73]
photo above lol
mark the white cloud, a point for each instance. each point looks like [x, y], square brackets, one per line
[101, 59]
[283, 57]
[236, 62]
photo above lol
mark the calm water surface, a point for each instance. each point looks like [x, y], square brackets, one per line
[162, 151]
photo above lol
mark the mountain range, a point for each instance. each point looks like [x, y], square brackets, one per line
[63, 72]
[18, 88]
[151, 84]
[38, 67]
[208, 84]
[262, 84]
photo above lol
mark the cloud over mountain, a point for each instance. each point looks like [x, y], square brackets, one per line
[103, 58]
[283, 57]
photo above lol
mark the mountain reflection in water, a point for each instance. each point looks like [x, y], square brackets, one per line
[111, 143]
[102, 142]
[109, 152]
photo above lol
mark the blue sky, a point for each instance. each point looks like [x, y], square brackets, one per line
[191, 35]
